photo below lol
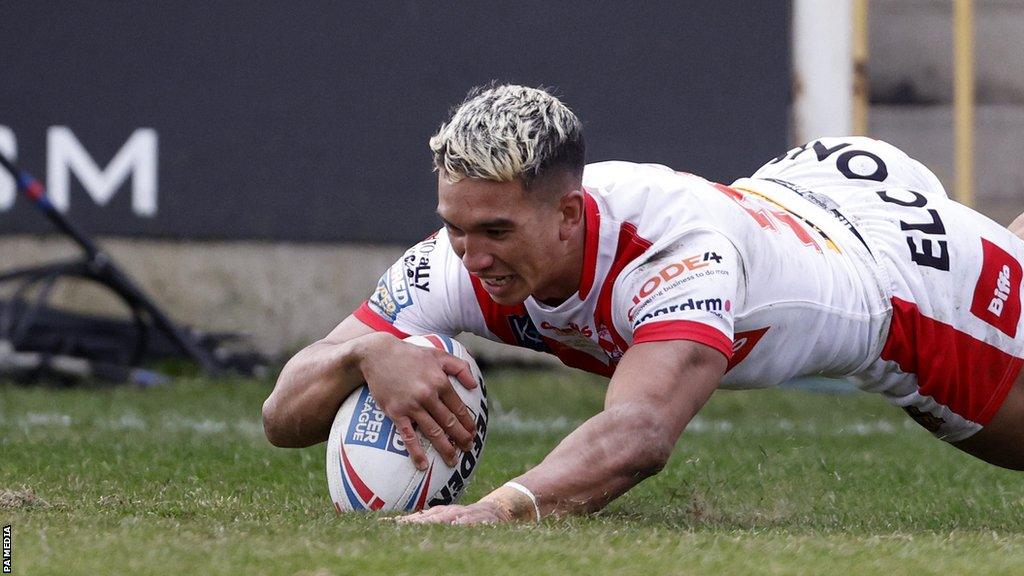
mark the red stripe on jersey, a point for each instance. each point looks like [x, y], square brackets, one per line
[743, 343]
[367, 316]
[578, 359]
[592, 219]
[970, 376]
[630, 246]
[496, 315]
[684, 330]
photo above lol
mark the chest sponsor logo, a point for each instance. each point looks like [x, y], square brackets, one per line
[576, 337]
[526, 334]
[670, 276]
[573, 329]
[997, 292]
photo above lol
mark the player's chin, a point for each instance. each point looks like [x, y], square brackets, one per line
[510, 299]
[512, 293]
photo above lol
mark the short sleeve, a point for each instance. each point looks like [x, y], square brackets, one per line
[412, 296]
[687, 291]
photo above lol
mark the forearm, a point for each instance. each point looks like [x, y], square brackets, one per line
[310, 389]
[596, 463]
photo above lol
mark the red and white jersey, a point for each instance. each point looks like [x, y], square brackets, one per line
[840, 257]
[775, 282]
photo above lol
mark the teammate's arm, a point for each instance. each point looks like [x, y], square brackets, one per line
[656, 390]
[409, 382]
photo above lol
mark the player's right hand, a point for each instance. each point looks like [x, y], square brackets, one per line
[410, 384]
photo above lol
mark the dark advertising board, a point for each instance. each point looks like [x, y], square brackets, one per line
[309, 121]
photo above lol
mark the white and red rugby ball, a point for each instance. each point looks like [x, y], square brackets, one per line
[368, 467]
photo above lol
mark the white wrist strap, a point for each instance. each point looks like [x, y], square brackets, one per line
[519, 487]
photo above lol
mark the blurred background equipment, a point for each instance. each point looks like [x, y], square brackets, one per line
[37, 340]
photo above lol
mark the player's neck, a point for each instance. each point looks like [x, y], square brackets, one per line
[571, 261]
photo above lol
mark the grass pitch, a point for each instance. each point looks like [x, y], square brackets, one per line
[180, 480]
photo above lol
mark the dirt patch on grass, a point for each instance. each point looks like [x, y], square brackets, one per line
[19, 499]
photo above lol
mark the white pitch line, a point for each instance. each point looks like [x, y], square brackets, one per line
[32, 419]
[511, 421]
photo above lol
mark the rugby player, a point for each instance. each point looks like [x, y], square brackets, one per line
[843, 258]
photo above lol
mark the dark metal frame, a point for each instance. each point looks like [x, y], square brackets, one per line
[96, 266]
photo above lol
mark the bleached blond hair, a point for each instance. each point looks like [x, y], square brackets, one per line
[507, 132]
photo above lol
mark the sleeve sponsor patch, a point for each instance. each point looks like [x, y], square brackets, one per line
[396, 287]
[670, 276]
[997, 292]
[693, 282]
[392, 293]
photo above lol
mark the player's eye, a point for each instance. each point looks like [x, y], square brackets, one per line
[452, 230]
[496, 234]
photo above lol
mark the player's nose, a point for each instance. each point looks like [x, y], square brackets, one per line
[475, 258]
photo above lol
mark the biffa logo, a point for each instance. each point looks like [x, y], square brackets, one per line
[1001, 293]
[997, 293]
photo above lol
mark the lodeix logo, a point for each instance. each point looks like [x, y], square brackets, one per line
[670, 272]
[997, 292]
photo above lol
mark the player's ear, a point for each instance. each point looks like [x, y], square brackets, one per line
[570, 208]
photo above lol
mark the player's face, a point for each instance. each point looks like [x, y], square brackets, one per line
[511, 239]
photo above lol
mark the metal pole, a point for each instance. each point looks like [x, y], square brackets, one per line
[861, 90]
[822, 69]
[963, 99]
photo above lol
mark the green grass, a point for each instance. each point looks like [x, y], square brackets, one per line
[180, 480]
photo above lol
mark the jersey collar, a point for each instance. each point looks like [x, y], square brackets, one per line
[592, 223]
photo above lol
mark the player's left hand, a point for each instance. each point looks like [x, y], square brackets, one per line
[477, 513]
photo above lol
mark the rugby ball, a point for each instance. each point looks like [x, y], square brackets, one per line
[368, 467]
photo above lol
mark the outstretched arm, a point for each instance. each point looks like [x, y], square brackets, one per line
[656, 390]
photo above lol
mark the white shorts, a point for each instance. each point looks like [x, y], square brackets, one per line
[954, 344]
